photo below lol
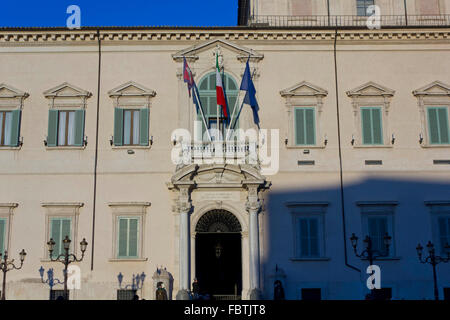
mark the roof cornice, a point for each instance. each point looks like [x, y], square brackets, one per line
[18, 36]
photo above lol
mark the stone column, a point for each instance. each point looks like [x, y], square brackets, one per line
[253, 207]
[184, 206]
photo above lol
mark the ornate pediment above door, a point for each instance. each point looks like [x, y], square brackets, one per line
[218, 176]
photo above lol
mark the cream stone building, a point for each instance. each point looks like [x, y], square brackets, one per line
[355, 121]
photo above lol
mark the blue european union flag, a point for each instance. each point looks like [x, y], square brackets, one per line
[250, 95]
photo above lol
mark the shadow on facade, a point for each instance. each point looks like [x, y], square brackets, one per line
[411, 207]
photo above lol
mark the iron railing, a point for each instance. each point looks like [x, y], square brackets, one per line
[313, 21]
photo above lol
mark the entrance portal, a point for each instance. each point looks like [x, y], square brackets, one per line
[218, 259]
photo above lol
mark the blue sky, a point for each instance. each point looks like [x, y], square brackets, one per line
[37, 13]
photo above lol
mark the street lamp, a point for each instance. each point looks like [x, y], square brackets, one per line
[369, 253]
[434, 260]
[66, 258]
[8, 265]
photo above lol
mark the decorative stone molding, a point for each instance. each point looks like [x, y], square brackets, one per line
[67, 95]
[436, 93]
[303, 94]
[11, 98]
[166, 34]
[133, 209]
[242, 53]
[62, 210]
[6, 212]
[371, 94]
[132, 94]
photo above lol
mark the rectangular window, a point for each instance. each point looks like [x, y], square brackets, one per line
[371, 119]
[66, 128]
[128, 229]
[438, 125]
[59, 229]
[131, 127]
[377, 227]
[362, 5]
[305, 133]
[3, 225]
[444, 233]
[308, 237]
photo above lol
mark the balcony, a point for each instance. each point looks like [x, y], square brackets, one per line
[348, 21]
[219, 152]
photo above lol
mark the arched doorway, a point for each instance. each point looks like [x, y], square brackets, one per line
[218, 258]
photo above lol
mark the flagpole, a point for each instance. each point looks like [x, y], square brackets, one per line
[231, 120]
[203, 115]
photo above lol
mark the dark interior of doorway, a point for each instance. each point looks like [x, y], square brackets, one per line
[218, 263]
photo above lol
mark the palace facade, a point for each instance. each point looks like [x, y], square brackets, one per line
[354, 121]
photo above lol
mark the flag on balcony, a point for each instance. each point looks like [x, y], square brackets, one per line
[250, 95]
[220, 94]
[187, 76]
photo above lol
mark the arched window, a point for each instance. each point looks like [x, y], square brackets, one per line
[207, 90]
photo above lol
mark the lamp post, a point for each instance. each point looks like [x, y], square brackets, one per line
[66, 258]
[434, 260]
[8, 265]
[369, 252]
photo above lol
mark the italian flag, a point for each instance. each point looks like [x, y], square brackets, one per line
[220, 94]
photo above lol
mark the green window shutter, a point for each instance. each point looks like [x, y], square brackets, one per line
[65, 229]
[299, 126]
[376, 126]
[366, 126]
[304, 238]
[143, 126]
[2, 235]
[55, 234]
[443, 125]
[79, 128]
[118, 126]
[314, 237]
[310, 127]
[133, 238]
[15, 128]
[433, 126]
[123, 238]
[52, 128]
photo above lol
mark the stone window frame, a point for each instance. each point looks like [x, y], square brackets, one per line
[312, 97]
[140, 97]
[308, 209]
[437, 209]
[130, 210]
[371, 94]
[427, 96]
[383, 209]
[68, 210]
[67, 97]
[12, 100]
[6, 212]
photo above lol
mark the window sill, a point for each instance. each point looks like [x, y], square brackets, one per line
[130, 147]
[128, 260]
[395, 258]
[437, 146]
[381, 146]
[10, 148]
[310, 259]
[65, 148]
[305, 147]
